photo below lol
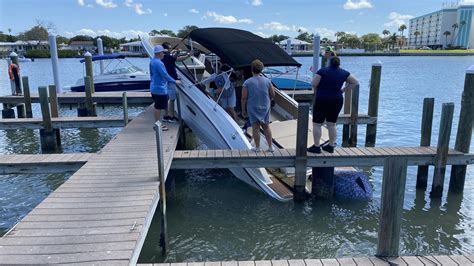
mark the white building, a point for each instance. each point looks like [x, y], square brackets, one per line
[21, 47]
[296, 45]
[428, 30]
[132, 48]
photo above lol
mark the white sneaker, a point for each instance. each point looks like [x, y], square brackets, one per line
[271, 149]
[255, 149]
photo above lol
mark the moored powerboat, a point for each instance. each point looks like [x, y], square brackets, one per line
[287, 80]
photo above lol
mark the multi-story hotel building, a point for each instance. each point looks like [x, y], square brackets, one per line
[429, 30]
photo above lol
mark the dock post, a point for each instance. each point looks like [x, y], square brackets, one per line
[53, 101]
[322, 185]
[89, 68]
[442, 150]
[393, 193]
[373, 109]
[464, 134]
[162, 188]
[27, 97]
[47, 136]
[89, 109]
[125, 108]
[347, 110]
[301, 145]
[426, 129]
[100, 50]
[354, 117]
[7, 112]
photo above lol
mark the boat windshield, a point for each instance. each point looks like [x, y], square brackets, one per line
[124, 70]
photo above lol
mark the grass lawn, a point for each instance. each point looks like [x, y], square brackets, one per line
[437, 51]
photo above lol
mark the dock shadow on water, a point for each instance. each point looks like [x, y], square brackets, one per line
[213, 216]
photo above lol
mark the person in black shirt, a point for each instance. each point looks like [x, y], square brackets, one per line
[170, 59]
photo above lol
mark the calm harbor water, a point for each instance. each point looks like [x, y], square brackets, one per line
[213, 216]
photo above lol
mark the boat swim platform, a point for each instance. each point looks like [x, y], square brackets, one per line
[64, 122]
[43, 163]
[362, 261]
[102, 213]
[358, 157]
[133, 97]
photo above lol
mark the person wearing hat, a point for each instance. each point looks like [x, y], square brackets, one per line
[170, 59]
[159, 79]
[328, 54]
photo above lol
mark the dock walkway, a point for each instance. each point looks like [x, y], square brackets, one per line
[103, 212]
[42, 163]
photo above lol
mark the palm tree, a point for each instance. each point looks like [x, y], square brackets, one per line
[416, 33]
[393, 39]
[454, 26]
[385, 34]
[338, 35]
[446, 34]
[401, 29]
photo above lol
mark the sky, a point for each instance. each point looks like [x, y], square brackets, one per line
[129, 18]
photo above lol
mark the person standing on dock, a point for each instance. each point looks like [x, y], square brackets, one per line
[327, 85]
[257, 93]
[159, 80]
[14, 73]
[170, 60]
[329, 54]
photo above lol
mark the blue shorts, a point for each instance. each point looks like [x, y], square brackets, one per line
[172, 91]
[228, 102]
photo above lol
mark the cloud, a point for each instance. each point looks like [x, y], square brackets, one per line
[325, 32]
[276, 26]
[396, 19]
[227, 19]
[192, 10]
[106, 3]
[261, 34]
[81, 2]
[137, 7]
[256, 2]
[361, 4]
[128, 34]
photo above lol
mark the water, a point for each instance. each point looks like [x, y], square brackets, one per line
[213, 216]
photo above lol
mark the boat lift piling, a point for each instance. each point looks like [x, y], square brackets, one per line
[54, 61]
[100, 50]
[301, 158]
[425, 141]
[47, 136]
[464, 133]
[27, 96]
[373, 108]
[53, 101]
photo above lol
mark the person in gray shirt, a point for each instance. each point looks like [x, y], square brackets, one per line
[257, 93]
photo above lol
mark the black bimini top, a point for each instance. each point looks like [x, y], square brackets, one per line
[238, 48]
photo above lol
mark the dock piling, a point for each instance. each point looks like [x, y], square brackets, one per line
[7, 112]
[27, 96]
[90, 108]
[442, 150]
[47, 136]
[54, 61]
[373, 108]
[393, 193]
[89, 68]
[464, 134]
[354, 117]
[426, 129]
[301, 145]
[347, 110]
[53, 102]
[125, 108]
[162, 188]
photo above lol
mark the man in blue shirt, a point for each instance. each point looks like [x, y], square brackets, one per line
[159, 82]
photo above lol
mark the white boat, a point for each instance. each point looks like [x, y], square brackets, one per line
[124, 76]
[24, 59]
[208, 120]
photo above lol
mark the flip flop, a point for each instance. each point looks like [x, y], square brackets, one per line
[164, 128]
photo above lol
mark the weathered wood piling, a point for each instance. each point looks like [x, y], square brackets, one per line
[373, 108]
[426, 129]
[301, 145]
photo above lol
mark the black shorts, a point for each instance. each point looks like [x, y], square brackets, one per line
[161, 101]
[327, 109]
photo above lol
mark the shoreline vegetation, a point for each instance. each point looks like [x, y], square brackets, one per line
[401, 53]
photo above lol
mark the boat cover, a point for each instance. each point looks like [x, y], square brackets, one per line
[238, 48]
[105, 57]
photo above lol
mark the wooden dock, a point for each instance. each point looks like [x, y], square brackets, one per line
[63, 122]
[362, 261]
[103, 212]
[42, 163]
[362, 157]
[79, 97]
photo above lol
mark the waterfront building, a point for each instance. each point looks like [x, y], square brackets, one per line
[21, 47]
[429, 30]
[133, 48]
[296, 45]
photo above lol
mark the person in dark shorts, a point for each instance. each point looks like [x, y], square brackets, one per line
[327, 83]
[159, 79]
